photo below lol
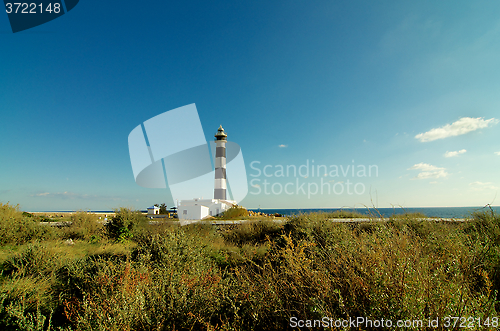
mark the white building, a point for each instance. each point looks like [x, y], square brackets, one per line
[153, 210]
[198, 209]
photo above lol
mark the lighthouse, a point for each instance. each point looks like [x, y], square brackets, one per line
[197, 208]
[220, 164]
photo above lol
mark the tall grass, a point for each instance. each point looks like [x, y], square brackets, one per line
[254, 276]
[18, 228]
[84, 226]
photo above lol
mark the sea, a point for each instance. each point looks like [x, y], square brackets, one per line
[442, 212]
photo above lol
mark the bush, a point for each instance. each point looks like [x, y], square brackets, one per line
[83, 226]
[253, 232]
[15, 228]
[234, 212]
[170, 282]
[9, 212]
[345, 214]
[125, 222]
[33, 260]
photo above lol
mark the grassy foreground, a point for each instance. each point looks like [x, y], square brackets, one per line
[129, 275]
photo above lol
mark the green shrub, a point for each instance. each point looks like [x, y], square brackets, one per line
[345, 214]
[15, 228]
[252, 232]
[122, 226]
[21, 309]
[83, 226]
[8, 211]
[170, 282]
[26, 302]
[33, 260]
[235, 212]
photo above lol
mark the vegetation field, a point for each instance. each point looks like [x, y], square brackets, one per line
[260, 275]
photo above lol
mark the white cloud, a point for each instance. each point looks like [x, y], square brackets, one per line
[455, 153]
[61, 195]
[428, 171]
[480, 186]
[497, 153]
[460, 127]
[71, 195]
[282, 146]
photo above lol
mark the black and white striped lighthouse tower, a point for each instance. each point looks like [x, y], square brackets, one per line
[220, 164]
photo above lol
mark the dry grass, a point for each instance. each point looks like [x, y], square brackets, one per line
[254, 276]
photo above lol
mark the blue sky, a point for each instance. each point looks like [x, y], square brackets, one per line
[401, 85]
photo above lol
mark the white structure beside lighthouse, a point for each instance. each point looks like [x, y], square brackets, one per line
[198, 209]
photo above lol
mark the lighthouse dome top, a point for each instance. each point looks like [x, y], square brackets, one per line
[220, 135]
